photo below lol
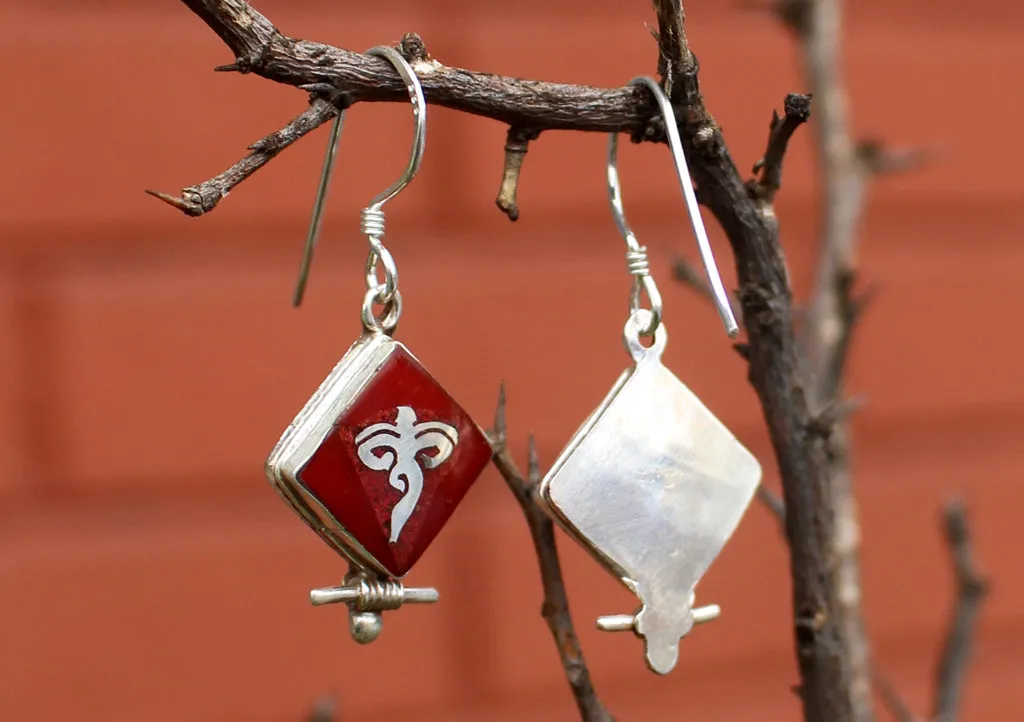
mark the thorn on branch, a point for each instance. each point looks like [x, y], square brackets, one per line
[190, 202]
[797, 108]
[532, 462]
[252, 61]
[204, 197]
[517, 142]
[498, 435]
[971, 590]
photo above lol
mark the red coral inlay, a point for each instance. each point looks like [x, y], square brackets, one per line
[398, 462]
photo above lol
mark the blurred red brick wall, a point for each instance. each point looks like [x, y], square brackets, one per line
[149, 361]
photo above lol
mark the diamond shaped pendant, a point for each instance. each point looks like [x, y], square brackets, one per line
[376, 463]
[653, 485]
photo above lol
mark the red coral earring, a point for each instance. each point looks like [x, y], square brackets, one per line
[380, 456]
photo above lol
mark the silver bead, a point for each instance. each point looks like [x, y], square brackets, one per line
[365, 626]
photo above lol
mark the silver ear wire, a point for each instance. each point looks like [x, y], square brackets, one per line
[372, 218]
[419, 113]
[318, 209]
[637, 254]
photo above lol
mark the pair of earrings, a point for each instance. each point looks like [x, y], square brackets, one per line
[652, 484]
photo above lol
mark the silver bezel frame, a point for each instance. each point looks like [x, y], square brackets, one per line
[311, 427]
[570, 448]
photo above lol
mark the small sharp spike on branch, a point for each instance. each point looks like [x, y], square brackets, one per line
[499, 433]
[532, 461]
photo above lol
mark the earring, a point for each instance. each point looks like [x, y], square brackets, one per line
[380, 456]
[652, 484]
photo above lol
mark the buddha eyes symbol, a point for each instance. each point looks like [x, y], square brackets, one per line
[400, 449]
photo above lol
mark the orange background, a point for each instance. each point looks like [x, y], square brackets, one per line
[149, 362]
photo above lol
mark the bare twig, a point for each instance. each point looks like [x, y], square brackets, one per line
[204, 197]
[971, 589]
[555, 608]
[797, 109]
[517, 142]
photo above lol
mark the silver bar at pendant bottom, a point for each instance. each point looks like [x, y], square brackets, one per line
[334, 595]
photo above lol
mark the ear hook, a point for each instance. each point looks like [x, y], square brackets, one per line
[637, 255]
[318, 209]
[419, 112]
[372, 217]
[419, 141]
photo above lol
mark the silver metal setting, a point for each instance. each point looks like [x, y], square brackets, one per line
[369, 587]
[309, 429]
[652, 485]
[366, 598]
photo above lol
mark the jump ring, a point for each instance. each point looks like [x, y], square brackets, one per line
[379, 255]
[387, 321]
[646, 285]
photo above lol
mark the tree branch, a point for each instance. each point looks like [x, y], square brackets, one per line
[262, 49]
[832, 313]
[971, 590]
[344, 77]
[890, 696]
[203, 197]
[555, 608]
